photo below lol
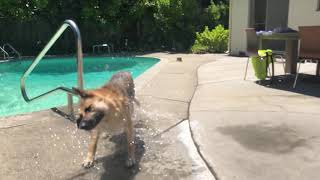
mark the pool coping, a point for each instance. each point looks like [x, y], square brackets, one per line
[148, 75]
[70, 57]
[74, 56]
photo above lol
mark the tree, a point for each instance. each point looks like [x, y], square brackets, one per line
[147, 24]
[21, 9]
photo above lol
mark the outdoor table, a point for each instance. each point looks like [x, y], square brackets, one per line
[291, 51]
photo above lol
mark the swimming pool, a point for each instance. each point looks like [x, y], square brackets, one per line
[53, 72]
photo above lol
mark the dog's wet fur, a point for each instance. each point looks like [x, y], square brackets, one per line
[108, 109]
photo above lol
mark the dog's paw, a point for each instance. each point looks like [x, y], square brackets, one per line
[88, 163]
[130, 162]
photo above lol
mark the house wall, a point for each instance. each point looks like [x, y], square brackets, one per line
[277, 14]
[303, 13]
[239, 20]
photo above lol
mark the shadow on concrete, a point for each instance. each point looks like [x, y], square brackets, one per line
[265, 138]
[113, 165]
[307, 84]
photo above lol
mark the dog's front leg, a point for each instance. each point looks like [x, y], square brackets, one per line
[94, 136]
[131, 145]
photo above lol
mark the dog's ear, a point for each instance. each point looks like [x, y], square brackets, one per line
[81, 93]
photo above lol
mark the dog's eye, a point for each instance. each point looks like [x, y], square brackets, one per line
[88, 109]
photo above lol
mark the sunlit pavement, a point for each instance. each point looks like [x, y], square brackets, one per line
[232, 129]
[257, 130]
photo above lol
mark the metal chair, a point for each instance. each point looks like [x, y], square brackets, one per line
[280, 55]
[309, 47]
[252, 48]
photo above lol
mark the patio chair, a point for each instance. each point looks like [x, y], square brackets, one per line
[252, 50]
[252, 47]
[309, 47]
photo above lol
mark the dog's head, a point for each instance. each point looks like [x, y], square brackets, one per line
[92, 109]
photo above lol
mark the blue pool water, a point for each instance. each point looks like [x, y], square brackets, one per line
[54, 72]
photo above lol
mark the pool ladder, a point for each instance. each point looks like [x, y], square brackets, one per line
[6, 54]
[70, 92]
[13, 50]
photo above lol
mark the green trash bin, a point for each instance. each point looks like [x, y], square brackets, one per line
[260, 63]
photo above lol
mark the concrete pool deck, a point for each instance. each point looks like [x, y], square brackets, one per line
[238, 129]
[44, 145]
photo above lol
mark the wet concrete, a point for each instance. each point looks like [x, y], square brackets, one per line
[265, 138]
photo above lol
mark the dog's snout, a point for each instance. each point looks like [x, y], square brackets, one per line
[83, 124]
[86, 124]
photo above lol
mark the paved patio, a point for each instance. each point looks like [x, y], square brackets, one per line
[238, 129]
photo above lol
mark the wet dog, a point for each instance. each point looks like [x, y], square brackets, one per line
[110, 109]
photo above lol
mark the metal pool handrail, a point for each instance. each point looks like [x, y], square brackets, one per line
[12, 49]
[70, 92]
[4, 53]
[98, 47]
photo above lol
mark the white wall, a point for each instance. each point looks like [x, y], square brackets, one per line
[239, 20]
[303, 13]
[277, 13]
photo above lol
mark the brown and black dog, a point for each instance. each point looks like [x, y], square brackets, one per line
[108, 108]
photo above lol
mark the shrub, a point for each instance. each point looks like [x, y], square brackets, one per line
[218, 13]
[214, 41]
